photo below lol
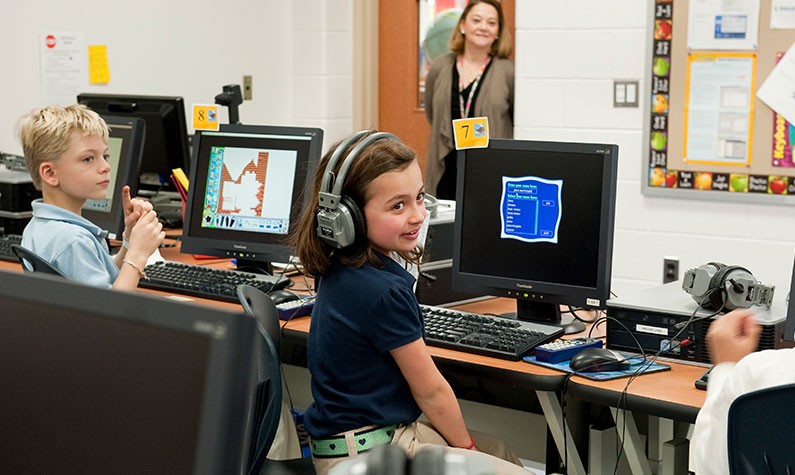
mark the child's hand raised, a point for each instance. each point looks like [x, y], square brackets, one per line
[145, 236]
[134, 208]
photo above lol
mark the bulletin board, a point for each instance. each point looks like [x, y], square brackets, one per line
[739, 150]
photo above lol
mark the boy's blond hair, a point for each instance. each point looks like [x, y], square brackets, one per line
[46, 133]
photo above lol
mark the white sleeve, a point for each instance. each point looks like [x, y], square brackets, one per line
[708, 452]
[762, 369]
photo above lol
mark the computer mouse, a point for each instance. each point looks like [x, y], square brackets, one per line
[281, 296]
[598, 359]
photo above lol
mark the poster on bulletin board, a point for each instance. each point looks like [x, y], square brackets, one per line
[707, 134]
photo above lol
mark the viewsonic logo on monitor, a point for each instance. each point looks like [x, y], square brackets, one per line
[241, 246]
[524, 286]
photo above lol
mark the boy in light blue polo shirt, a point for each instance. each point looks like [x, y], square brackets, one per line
[66, 151]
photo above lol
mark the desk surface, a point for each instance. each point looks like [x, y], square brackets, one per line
[669, 394]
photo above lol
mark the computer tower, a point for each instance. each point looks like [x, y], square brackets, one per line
[655, 319]
[16, 194]
[434, 284]
[16, 190]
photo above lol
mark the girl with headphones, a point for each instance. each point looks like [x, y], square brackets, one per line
[372, 375]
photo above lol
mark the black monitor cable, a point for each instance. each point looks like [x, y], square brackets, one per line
[622, 400]
[564, 387]
[573, 311]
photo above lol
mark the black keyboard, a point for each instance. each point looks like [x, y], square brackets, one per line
[484, 334]
[6, 240]
[206, 282]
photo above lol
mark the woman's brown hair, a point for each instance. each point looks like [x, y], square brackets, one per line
[382, 156]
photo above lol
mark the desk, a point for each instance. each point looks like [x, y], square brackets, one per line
[668, 395]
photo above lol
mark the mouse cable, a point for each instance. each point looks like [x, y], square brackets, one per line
[647, 364]
[573, 312]
[564, 387]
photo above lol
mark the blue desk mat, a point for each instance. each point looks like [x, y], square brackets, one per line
[636, 363]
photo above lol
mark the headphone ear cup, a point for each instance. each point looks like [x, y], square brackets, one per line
[717, 295]
[715, 290]
[429, 461]
[386, 459]
[355, 221]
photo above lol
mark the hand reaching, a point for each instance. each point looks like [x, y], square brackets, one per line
[733, 336]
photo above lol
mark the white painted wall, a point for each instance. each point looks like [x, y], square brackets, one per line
[299, 54]
[567, 54]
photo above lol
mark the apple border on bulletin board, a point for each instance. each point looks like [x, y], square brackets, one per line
[660, 180]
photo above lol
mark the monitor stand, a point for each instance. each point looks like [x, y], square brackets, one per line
[547, 314]
[257, 267]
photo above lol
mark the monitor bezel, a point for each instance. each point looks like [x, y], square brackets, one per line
[252, 247]
[539, 291]
[127, 174]
[228, 395]
[789, 325]
[176, 141]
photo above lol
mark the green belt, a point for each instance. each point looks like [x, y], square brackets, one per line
[364, 440]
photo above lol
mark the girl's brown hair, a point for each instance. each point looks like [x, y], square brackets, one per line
[382, 156]
[502, 46]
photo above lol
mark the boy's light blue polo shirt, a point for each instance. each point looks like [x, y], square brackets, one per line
[71, 243]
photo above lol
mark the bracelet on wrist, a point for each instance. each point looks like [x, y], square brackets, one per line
[471, 444]
[138, 268]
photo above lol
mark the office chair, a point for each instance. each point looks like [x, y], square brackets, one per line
[761, 438]
[36, 263]
[269, 405]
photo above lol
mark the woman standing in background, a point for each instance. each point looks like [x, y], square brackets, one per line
[474, 80]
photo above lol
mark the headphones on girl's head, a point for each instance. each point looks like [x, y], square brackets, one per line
[340, 221]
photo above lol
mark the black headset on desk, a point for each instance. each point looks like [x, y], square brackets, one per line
[716, 286]
[340, 221]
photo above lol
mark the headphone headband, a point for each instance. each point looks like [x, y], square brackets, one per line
[328, 174]
[346, 165]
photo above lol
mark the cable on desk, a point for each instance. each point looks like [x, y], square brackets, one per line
[648, 363]
[573, 312]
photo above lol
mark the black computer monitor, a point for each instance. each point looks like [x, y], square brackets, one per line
[166, 146]
[789, 325]
[247, 190]
[101, 381]
[125, 148]
[534, 222]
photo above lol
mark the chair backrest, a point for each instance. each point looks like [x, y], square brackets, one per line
[267, 408]
[37, 264]
[761, 436]
[259, 305]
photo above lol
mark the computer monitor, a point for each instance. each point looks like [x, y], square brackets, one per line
[166, 146]
[125, 148]
[102, 381]
[247, 190]
[789, 325]
[534, 222]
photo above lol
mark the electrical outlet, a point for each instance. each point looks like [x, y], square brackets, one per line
[246, 88]
[670, 269]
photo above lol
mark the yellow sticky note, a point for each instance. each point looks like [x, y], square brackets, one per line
[471, 133]
[98, 70]
[205, 117]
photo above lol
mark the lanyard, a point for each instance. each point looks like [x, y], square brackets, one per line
[465, 110]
